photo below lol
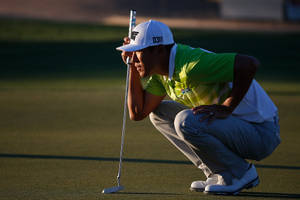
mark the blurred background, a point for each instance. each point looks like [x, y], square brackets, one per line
[100, 10]
[96, 10]
[95, 21]
[62, 91]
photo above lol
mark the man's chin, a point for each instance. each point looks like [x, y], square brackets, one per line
[143, 75]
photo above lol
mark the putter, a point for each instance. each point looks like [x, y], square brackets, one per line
[119, 187]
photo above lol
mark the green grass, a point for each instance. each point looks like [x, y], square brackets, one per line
[61, 105]
[80, 127]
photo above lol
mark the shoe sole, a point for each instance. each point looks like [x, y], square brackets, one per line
[197, 189]
[249, 185]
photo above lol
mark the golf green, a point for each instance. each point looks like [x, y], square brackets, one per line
[61, 108]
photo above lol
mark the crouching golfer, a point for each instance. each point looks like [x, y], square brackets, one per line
[219, 115]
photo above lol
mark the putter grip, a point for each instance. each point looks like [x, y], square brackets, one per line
[132, 22]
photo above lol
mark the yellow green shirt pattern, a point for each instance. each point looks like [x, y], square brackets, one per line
[200, 77]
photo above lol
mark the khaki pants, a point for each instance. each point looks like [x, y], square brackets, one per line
[220, 147]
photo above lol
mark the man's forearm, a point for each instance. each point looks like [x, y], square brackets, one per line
[244, 71]
[135, 95]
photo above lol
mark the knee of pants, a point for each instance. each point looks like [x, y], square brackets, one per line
[153, 118]
[166, 110]
[157, 113]
[184, 124]
[157, 116]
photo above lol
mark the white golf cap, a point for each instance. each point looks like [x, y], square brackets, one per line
[150, 33]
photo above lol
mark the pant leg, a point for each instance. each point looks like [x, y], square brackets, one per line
[227, 142]
[163, 120]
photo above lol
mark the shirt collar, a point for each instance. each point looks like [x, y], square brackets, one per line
[172, 61]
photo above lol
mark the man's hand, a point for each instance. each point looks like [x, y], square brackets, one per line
[212, 112]
[125, 54]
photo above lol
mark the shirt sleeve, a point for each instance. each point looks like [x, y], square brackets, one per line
[154, 86]
[211, 67]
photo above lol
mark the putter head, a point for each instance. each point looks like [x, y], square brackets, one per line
[112, 189]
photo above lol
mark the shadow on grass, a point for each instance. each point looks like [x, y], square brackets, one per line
[136, 160]
[147, 193]
[269, 195]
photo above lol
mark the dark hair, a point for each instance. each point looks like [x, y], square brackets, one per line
[168, 47]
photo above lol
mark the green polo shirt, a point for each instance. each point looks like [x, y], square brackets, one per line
[200, 77]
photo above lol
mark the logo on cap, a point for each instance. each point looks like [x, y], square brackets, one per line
[157, 39]
[134, 34]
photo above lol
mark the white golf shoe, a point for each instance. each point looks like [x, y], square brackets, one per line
[249, 180]
[199, 186]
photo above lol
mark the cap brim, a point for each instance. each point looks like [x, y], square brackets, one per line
[130, 47]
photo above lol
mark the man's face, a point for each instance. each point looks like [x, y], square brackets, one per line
[143, 61]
